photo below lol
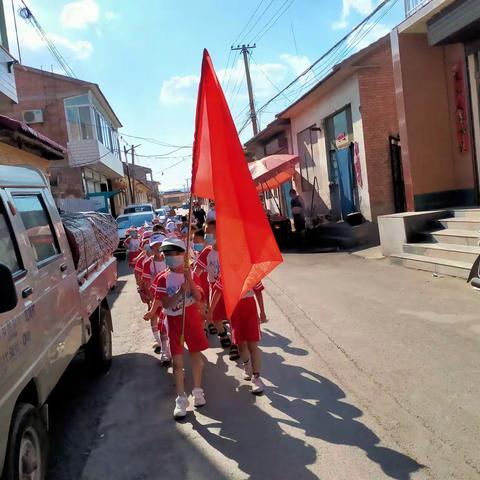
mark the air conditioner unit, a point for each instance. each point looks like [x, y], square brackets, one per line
[33, 116]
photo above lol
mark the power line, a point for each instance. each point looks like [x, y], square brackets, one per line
[248, 21]
[276, 16]
[27, 14]
[256, 23]
[277, 88]
[327, 53]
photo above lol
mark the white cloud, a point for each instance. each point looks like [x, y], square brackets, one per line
[110, 16]
[375, 31]
[266, 78]
[80, 49]
[363, 7]
[179, 89]
[80, 14]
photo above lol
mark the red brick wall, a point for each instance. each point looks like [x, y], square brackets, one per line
[380, 120]
[43, 91]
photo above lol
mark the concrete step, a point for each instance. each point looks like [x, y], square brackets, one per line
[458, 253]
[467, 213]
[441, 266]
[454, 236]
[460, 223]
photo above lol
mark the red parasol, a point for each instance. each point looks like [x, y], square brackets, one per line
[272, 171]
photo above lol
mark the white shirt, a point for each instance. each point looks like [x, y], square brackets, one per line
[213, 266]
[173, 282]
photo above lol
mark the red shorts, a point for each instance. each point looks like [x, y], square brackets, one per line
[195, 338]
[245, 322]
[162, 320]
[131, 258]
[219, 314]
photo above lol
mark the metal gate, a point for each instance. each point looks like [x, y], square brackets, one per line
[397, 175]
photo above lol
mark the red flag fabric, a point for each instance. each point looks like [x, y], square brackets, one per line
[246, 246]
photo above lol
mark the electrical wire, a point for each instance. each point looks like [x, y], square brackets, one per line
[275, 86]
[326, 54]
[248, 21]
[256, 23]
[28, 15]
[276, 17]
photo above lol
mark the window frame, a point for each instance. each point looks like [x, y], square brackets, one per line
[39, 194]
[22, 271]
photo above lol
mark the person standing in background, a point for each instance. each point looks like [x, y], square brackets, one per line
[199, 214]
[298, 211]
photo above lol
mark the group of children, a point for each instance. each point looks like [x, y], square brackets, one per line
[183, 293]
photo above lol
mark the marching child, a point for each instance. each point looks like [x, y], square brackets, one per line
[132, 242]
[151, 268]
[246, 331]
[209, 261]
[170, 288]
[138, 270]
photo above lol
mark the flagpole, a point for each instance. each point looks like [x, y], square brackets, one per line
[187, 265]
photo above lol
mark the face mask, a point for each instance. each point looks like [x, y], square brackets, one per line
[174, 262]
[134, 235]
[148, 249]
[198, 247]
[209, 238]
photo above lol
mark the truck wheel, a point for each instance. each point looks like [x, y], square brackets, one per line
[99, 348]
[26, 456]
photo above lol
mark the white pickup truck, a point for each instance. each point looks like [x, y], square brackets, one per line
[48, 312]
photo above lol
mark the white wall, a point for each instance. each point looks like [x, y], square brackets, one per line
[345, 93]
[8, 87]
[95, 155]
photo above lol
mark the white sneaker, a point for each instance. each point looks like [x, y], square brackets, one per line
[257, 385]
[247, 371]
[198, 397]
[181, 405]
[165, 358]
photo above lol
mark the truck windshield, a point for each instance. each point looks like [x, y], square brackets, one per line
[126, 221]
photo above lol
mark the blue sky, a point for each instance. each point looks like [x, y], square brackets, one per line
[146, 56]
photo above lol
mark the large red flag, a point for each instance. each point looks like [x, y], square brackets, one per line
[246, 245]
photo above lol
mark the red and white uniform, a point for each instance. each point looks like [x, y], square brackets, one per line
[245, 322]
[133, 248]
[138, 271]
[168, 284]
[209, 262]
[151, 268]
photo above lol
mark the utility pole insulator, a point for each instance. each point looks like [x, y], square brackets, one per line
[253, 115]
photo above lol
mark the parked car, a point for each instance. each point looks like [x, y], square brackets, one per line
[138, 208]
[161, 214]
[49, 310]
[124, 222]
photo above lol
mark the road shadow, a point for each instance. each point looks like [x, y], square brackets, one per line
[274, 339]
[239, 430]
[120, 425]
[317, 405]
[115, 293]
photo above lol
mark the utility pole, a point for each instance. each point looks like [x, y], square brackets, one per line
[244, 49]
[128, 174]
[134, 176]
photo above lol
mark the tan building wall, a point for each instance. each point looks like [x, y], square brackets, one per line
[15, 156]
[434, 168]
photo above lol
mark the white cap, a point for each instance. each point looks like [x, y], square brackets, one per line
[173, 244]
[156, 239]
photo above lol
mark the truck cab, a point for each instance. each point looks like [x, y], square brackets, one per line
[44, 321]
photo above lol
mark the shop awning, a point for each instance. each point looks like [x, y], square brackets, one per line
[272, 171]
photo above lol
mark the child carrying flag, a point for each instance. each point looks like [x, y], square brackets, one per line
[246, 331]
[170, 288]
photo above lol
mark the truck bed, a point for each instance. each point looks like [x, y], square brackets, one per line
[95, 283]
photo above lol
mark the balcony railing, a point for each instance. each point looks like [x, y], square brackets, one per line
[411, 6]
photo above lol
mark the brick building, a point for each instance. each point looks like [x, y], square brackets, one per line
[345, 131]
[74, 113]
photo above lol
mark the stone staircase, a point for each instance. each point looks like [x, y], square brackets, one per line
[449, 246]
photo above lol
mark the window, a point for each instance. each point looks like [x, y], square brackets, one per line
[38, 226]
[80, 125]
[9, 255]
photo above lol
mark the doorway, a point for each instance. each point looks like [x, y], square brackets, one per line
[339, 136]
[397, 175]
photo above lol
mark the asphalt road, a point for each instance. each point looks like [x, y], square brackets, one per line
[372, 372]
